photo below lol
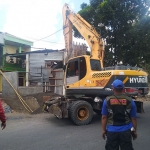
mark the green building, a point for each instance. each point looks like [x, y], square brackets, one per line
[10, 44]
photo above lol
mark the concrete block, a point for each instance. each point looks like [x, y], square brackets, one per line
[24, 91]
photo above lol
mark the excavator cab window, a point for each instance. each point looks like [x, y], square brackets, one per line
[76, 67]
[95, 65]
[72, 69]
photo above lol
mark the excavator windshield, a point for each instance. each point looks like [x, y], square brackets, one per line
[95, 65]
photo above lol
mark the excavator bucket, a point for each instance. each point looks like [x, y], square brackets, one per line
[139, 106]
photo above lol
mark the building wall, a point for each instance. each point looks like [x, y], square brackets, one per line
[10, 97]
[13, 50]
[7, 89]
[10, 50]
[41, 72]
[26, 49]
[37, 65]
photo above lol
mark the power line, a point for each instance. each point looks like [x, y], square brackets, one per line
[54, 32]
[48, 35]
[40, 48]
[34, 38]
[52, 42]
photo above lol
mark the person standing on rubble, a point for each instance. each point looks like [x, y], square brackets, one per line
[2, 116]
[119, 119]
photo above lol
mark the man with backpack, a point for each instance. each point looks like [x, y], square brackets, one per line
[119, 119]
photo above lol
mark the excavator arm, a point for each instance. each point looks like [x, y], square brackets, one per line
[88, 32]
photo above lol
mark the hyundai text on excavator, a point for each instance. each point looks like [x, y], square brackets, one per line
[87, 82]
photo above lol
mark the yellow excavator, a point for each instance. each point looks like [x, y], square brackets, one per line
[87, 81]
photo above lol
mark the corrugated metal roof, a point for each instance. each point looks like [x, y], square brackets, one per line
[45, 51]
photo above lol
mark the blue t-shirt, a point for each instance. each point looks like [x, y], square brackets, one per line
[119, 128]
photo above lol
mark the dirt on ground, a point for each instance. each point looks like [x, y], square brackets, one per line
[12, 105]
[9, 109]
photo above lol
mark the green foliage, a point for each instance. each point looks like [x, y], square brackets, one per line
[88, 53]
[126, 29]
[94, 3]
[83, 5]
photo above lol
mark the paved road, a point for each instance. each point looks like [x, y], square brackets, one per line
[45, 132]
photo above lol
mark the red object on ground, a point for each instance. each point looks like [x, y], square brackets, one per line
[2, 114]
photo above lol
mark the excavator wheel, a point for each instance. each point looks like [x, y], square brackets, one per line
[80, 112]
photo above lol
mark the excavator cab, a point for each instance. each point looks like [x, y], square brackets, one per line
[75, 70]
[78, 67]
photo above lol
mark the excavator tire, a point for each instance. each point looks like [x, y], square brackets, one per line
[80, 112]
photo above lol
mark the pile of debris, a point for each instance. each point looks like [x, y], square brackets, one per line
[143, 98]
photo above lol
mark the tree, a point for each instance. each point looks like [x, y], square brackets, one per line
[83, 5]
[139, 43]
[126, 29]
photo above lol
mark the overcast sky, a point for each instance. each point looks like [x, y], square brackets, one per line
[36, 19]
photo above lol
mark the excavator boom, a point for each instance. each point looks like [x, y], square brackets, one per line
[88, 32]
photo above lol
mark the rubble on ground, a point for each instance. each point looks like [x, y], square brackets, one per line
[7, 108]
[143, 98]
